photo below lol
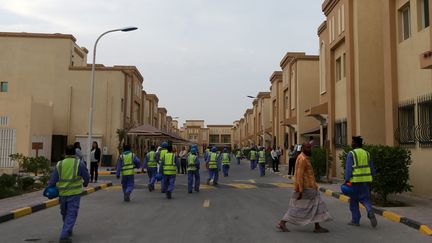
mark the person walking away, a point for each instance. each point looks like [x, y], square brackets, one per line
[95, 156]
[226, 160]
[238, 156]
[69, 176]
[126, 164]
[275, 159]
[359, 170]
[193, 166]
[183, 156]
[306, 205]
[291, 160]
[168, 170]
[262, 161]
[151, 164]
[252, 158]
[212, 164]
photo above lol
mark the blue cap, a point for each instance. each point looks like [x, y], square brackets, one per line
[213, 149]
[51, 192]
[193, 150]
[164, 145]
[225, 149]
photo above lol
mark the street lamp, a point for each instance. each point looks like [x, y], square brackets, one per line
[262, 118]
[89, 142]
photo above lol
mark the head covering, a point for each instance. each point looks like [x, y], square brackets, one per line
[358, 140]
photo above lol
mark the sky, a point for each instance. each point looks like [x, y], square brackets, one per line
[200, 57]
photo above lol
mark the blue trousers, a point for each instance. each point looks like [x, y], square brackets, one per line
[225, 169]
[238, 160]
[253, 164]
[152, 176]
[214, 174]
[361, 195]
[168, 182]
[191, 176]
[69, 206]
[128, 182]
[262, 169]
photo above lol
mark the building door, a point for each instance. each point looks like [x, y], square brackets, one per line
[7, 147]
[58, 147]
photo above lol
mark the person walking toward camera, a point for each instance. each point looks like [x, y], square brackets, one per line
[306, 205]
[69, 176]
[183, 164]
[359, 171]
[95, 156]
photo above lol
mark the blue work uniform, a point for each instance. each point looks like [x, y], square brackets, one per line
[361, 192]
[127, 181]
[193, 167]
[213, 165]
[238, 156]
[226, 160]
[253, 156]
[69, 205]
[168, 181]
[261, 161]
[151, 164]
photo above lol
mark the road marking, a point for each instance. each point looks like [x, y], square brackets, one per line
[425, 229]
[283, 185]
[206, 203]
[22, 212]
[204, 186]
[242, 186]
[250, 181]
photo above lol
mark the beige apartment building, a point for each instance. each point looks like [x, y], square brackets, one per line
[220, 136]
[299, 75]
[196, 132]
[48, 74]
[261, 117]
[278, 104]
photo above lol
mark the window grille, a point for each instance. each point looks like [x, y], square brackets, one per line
[405, 133]
[424, 128]
[340, 134]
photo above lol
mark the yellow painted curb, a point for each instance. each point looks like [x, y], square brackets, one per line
[242, 186]
[90, 190]
[103, 186]
[392, 216]
[22, 212]
[52, 203]
[283, 185]
[425, 229]
[328, 192]
[344, 198]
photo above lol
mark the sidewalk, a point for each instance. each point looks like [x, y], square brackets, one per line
[418, 208]
[29, 199]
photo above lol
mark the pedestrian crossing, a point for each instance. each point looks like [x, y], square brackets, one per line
[222, 186]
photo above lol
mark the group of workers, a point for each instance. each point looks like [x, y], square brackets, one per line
[71, 175]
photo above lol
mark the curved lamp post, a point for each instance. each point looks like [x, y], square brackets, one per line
[90, 132]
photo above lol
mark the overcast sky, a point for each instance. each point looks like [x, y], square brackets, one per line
[201, 57]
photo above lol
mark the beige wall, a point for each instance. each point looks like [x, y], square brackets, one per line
[33, 123]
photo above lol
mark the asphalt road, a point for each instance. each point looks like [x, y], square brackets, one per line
[223, 214]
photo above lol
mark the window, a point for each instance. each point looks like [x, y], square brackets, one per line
[423, 13]
[3, 86]
[293, 90]
[330, 30]
[343, 17]
[322, 69]
[405, 133]
[340, 134]
[4, 120]
[344, 65]
[424, 130]
[339, 22]
[214, 138]
[405, 16]
[226, 138]
[338, 69]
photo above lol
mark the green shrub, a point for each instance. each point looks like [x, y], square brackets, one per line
[31, 164]
[7, 181]
[392, 169]
[26, 183]
[319, 161]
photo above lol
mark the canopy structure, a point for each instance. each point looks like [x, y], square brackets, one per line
[151, 132]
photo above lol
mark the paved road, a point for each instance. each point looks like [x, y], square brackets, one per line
[225, 214]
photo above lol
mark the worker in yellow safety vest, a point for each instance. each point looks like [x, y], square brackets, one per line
[168, 169]
[126, 165]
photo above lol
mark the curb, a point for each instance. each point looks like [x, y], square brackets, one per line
[386, 214]
[21, 212]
